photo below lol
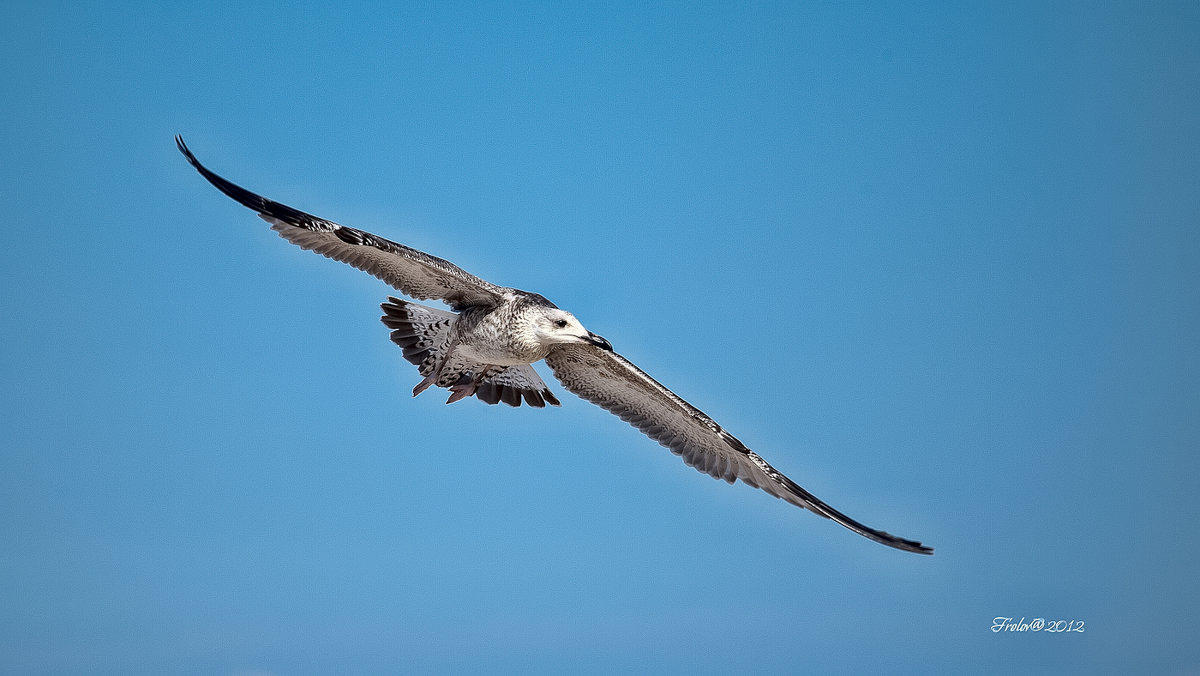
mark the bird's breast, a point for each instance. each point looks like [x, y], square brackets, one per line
[493, 341]
[496, 354]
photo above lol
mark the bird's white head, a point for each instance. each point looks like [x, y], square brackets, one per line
[554, 326]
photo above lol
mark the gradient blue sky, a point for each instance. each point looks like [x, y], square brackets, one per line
[939, 263]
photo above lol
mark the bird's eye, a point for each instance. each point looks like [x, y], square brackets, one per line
[561, 323]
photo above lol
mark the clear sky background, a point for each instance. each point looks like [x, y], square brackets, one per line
[940, 263]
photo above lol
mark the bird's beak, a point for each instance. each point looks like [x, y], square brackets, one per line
[598, 341]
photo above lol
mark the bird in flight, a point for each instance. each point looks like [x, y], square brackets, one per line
[486, 346]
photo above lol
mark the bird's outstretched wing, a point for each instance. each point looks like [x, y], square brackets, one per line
[414, 273]
[610, 381]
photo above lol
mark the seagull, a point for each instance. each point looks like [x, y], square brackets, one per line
[486, 345]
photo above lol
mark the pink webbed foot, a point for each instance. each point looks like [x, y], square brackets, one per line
[424, 384]
[464, 387]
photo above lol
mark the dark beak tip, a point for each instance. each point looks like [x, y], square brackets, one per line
[599, 341]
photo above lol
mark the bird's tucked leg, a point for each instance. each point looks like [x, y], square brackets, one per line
[436, 373]
[465, 386]
[425, 383]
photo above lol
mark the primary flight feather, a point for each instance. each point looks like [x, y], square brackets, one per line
[486, 347]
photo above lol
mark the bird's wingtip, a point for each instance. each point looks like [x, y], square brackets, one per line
[919, 548]
[905, 544]
[187, 153]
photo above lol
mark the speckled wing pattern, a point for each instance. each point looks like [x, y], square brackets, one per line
[414, 273]
[423, 333]
[612, 382]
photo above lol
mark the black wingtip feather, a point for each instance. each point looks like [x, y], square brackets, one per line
[246, 198]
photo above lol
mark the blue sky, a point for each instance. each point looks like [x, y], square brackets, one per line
[938, 263]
